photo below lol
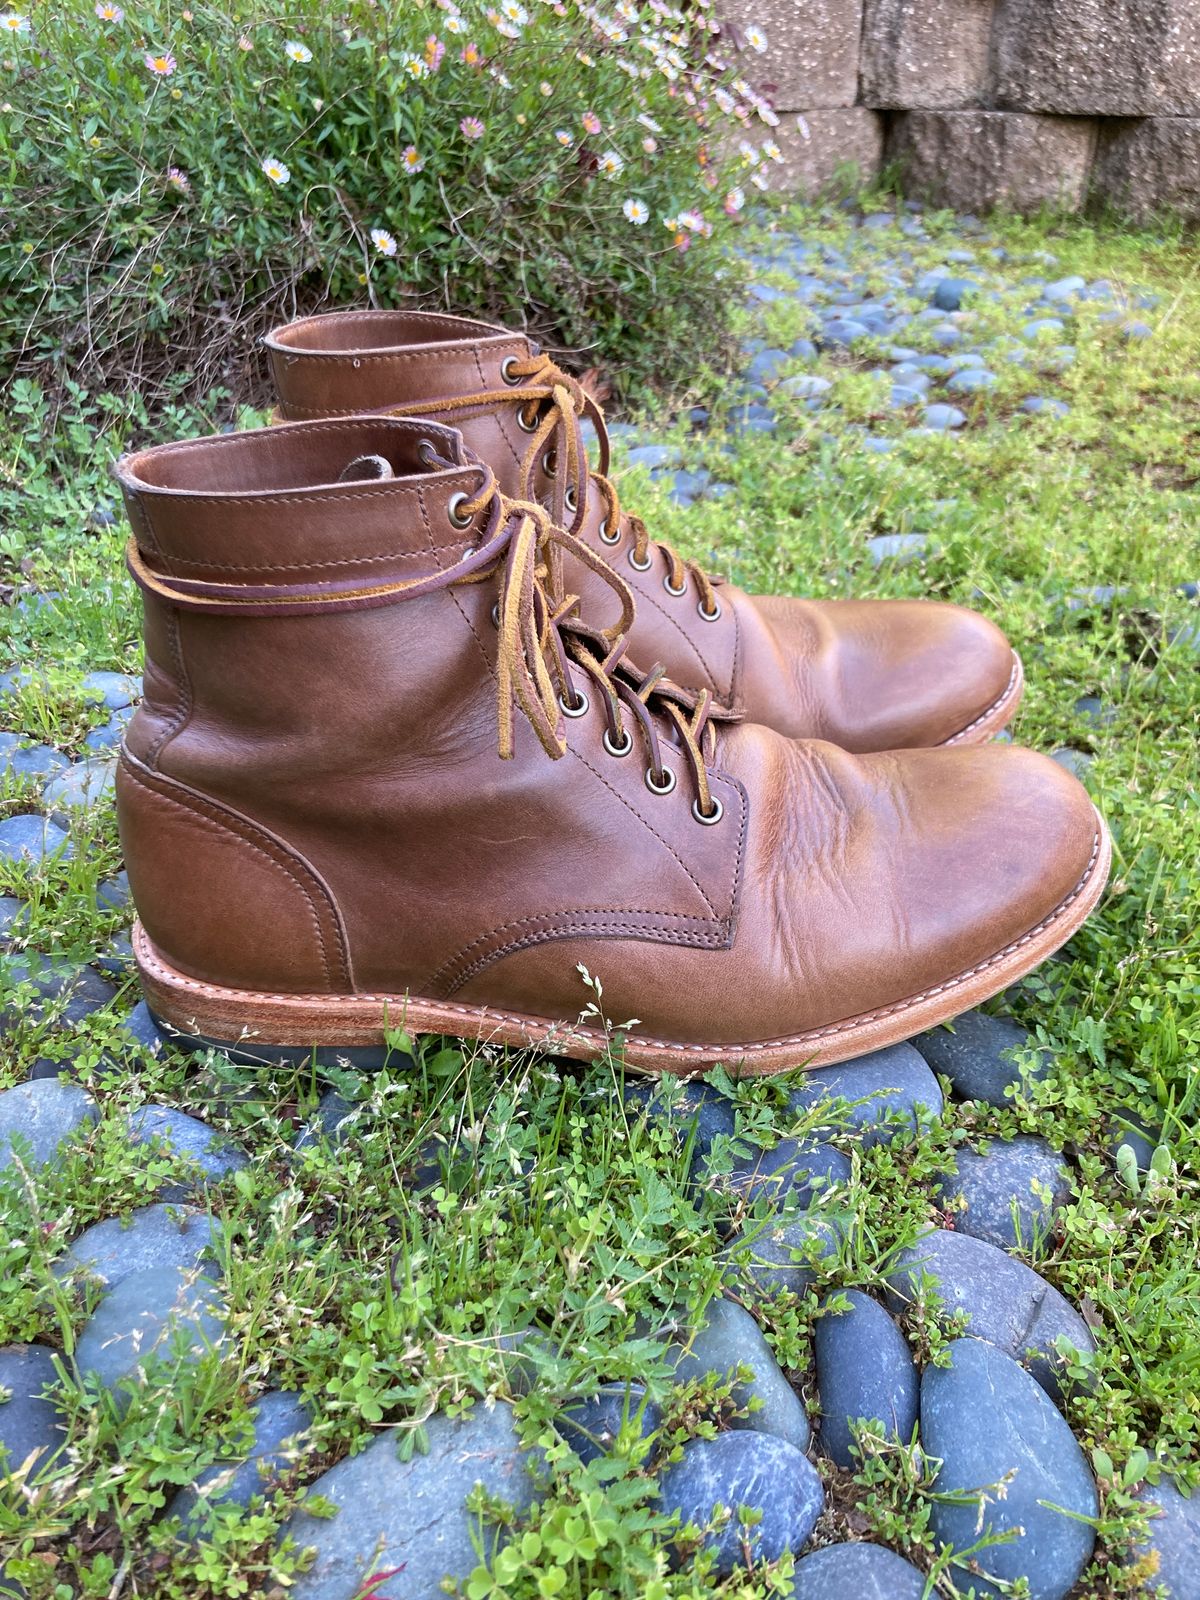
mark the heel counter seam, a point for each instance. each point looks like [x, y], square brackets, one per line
[224, 822]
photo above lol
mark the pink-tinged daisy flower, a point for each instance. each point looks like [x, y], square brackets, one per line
[434, 51]
[636, 212]
[470, 54]
[734, 201]
[410, 159]
[383, 241]
[564, 138]
[611, 164]
[276, 171]
[649, 145]
[109, 13]
[295, 51]
[178, 179]
[244, 43]
[471, 128]
[591, 122]
[162, 66]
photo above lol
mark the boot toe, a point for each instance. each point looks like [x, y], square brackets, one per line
[1003, 842]
[899, 674]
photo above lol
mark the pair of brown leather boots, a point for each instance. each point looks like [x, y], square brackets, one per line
[433, 730]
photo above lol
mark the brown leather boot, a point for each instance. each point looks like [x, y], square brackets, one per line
[333, 820]
[866, 674]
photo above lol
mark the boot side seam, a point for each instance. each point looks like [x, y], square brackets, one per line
[717, 937]
[646, 596]
[183, 683]
[222, 821]
[718, 934]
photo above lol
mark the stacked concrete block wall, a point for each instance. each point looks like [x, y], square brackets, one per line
[985, 103]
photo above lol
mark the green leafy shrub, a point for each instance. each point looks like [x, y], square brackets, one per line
[174, 181]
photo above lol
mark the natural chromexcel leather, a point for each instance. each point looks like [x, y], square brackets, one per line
[311, 798]
[868, 675]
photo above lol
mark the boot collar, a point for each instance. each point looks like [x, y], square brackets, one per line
[353, 361]
[274, 504]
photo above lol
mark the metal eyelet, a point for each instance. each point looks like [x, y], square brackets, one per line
[665, 787]
[426, 454]
[550, 463]
[453, 513]
[714, 614]
[640, 566]
[579, 709]
[618, 749]
[506, 371]
[527, 427]
[496, 615]
[682, 589]
[708, 817]
[609, 538]
[571, 501]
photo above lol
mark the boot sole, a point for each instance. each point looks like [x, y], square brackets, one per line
[997, 716]
[244, 1019]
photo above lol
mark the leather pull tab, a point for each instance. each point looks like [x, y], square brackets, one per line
[365, 468]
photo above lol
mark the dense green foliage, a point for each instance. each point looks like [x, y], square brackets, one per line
[175, 181]
[381, 1305]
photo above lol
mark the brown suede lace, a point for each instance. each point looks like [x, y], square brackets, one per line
[551, 405]
[543, 643]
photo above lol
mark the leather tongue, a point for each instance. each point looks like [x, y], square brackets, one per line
[364, 468]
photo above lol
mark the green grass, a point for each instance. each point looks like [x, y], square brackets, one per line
[559, 1212]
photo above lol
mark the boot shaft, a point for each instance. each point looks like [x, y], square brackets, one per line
[349, 362]
[524, 416]
[325, 678]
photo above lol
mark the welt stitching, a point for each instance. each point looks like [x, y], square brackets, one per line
[546, 916]
[995, 706]
[216, 822]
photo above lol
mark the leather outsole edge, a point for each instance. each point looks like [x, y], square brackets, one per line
[997, 716]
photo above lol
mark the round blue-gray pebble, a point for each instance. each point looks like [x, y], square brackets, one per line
[751, 1470]
[990, 1425]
